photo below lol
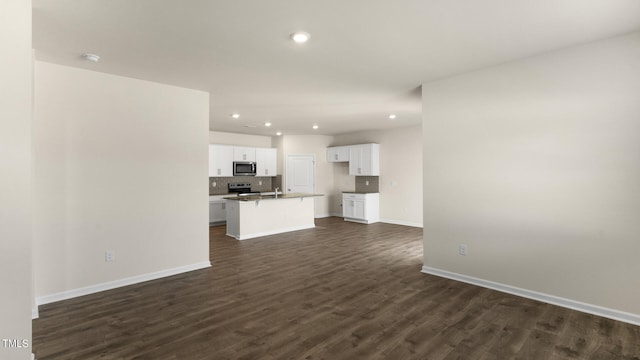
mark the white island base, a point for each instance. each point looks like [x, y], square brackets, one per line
[247, 219]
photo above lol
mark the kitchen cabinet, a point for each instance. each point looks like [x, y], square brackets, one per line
[338, 154]
[361, 207]
[244, 154]
[266, 161]
[220, 160]
[364, 160]
[217, 209]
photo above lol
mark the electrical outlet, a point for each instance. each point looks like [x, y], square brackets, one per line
[462, 249]
[260, 182]
[109, 255]
[366, 183]
[214, 184]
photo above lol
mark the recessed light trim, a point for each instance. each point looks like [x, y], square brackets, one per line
[392, 116]
[267, 124]
[300, 37]
[235, 116]
[91, 57]
[279, 133]
[315, 127]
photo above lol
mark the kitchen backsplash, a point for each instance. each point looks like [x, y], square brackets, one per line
[371, 187]
[270, 183]
[221, 183]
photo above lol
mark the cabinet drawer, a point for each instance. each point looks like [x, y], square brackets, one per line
[354, 196]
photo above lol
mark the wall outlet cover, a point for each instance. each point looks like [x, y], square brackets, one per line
[109, 255]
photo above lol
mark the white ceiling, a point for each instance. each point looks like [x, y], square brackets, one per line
[366, 58]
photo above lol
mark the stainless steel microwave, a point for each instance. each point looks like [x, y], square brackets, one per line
[246, 168]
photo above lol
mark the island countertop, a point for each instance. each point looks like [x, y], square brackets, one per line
[271, 197]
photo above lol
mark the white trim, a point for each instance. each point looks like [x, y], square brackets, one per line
[530, 294]
[34, 313]
[401, 222]
[370, 221]
[272, 232]
[318, 216]
[336, 214]
[69, 294]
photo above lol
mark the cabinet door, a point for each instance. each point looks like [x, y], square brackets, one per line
[332, 155]
[217, 211]
[266, 162]
[364, 160]
[244, 154]
[359, 210]
[348, 208]
[354, 209]
[355, 160]
[220, 160]
[338, 154]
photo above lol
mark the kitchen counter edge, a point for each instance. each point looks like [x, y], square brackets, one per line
[271, 197]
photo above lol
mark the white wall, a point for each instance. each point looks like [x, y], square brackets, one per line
[225, 138]
[535, 166]
[316, 145]
[15, 182]
[119, 164]
[400, 173]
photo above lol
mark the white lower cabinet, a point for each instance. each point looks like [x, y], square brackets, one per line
[361, 207]
[217, 209]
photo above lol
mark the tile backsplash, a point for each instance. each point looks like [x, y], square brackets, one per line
[221, 183]
[367, 184]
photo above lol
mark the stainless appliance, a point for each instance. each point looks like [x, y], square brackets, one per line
[241, 189]
[247, 168]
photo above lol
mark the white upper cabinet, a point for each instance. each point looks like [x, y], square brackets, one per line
[220, 160]
[266, 162]
[364, 160]
[338, 154]
[244, 154]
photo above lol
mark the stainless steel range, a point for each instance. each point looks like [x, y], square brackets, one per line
[241, 189]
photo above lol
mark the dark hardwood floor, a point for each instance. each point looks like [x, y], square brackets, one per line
[339, 291]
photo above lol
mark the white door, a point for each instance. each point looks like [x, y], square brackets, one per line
[300, 174]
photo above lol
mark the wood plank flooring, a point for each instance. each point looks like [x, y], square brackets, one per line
[339, 291]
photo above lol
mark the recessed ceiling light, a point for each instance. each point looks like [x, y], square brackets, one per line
[91, 57]
[392, 116]
[267, 124]
[300, 37]
[279, 133]
[235, 116]
[315, 127]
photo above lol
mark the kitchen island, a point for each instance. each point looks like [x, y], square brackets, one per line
[261, 215]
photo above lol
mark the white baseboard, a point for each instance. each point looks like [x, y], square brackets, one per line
[273, 232]
[69, 294]
[336, 214]
[401, 222]
[550, 299]
[367, 222]
[319, 216]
